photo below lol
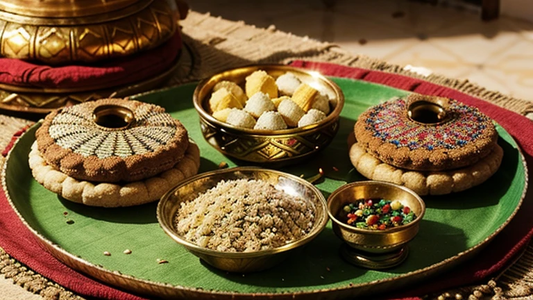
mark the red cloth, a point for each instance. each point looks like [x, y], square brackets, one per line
[111, 73]
[20, 243]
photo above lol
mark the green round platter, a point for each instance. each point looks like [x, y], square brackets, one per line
[455, 227]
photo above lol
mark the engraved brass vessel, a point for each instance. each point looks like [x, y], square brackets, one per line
[274, 148]
[370, 248]
[242, 262]
[72, 31]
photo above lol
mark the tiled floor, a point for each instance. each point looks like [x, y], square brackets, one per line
[449, 41]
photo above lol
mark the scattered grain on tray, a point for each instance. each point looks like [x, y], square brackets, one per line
[107, 253]
[127, 251]
[244, 215]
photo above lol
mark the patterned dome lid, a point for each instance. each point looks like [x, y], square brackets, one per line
[112, 140]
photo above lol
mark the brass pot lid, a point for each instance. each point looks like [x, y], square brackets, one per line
[123, 28]
[63, 8]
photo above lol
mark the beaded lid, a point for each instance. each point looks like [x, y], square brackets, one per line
[426, 133]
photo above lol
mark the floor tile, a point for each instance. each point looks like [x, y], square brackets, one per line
[448, 41]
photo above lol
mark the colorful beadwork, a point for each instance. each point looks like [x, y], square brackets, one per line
[389, 122]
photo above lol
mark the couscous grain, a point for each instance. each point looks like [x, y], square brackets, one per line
[244, 215]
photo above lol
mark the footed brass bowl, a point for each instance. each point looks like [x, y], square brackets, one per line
[374, 248]
[272, 147]
[243, 262]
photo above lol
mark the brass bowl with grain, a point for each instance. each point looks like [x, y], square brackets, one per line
[272, 147]
[251, 261]
[372, 243]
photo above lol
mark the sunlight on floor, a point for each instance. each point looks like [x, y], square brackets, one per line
[497, 55]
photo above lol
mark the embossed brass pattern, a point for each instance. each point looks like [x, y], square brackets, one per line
[274, 148]
[109, 35]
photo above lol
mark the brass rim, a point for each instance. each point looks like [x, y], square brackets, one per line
[428, 110]
[62, 8]
[113, 117]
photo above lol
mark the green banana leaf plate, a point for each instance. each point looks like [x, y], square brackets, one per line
[454, 227]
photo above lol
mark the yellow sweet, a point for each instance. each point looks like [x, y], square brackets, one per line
[222, 99]
[260, 81]
[277, 101]
[305, 96]
[233, 88]
[222, 115]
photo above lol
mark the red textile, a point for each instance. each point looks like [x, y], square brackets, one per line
[111, 73]
[20, 243]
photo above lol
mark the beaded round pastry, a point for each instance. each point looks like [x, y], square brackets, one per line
[111, 140]
[425, 133]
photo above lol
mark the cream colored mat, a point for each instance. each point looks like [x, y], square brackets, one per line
[216, 44]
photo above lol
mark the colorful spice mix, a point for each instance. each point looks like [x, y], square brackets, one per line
[377, 214]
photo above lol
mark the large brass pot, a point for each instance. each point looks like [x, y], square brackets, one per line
[72, 31]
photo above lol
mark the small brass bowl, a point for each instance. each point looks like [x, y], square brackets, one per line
[242, 262]
[273, 147]
[370, 247]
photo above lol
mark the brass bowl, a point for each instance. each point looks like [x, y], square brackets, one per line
[281, 147]
[369, 247]
[243, 262]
